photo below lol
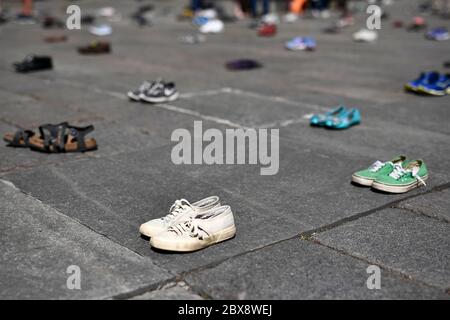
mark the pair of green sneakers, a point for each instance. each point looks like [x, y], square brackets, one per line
[396, 176]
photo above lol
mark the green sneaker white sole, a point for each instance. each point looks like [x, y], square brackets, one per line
[396, 188]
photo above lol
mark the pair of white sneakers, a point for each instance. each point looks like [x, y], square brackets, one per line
[191, 226]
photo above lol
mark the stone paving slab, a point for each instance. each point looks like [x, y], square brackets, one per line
[170, 292]
[39, 244]
[297, 269]
[409, 243]
[435, 205]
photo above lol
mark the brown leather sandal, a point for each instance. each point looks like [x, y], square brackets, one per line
[63, 138]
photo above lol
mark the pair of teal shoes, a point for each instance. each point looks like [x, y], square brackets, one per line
[339, 118]
[396, 176]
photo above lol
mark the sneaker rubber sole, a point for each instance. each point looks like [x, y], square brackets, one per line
[180, 246]
[362, 181]
[134, 97]
[397, 189]
[159, 99]
[432, 92]
[149, 234]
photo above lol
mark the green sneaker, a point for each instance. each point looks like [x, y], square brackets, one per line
[367, 176]
[403, 178]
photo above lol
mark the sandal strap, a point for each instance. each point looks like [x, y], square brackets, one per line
[56, 136]
[80, 133]
[53, 135]
[22, 134]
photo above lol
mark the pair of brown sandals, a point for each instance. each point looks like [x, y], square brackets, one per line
[54, 138]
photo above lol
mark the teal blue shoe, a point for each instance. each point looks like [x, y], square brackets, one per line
[344, 121]
[318, 120]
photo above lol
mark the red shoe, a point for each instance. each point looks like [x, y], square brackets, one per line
[267, 30]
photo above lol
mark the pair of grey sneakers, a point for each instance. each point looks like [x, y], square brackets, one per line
[191, 226]
[157, 91]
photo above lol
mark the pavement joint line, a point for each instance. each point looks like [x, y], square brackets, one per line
[213, 92]
[198, 291]
[159, 286]
[388, 205]
[278, 99]
[285, 123]
[197, 114]
[364, 259]
[142, 290]
[420, 213]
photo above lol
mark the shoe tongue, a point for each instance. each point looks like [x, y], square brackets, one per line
[413, 165]
[397, 159]
[433, 77]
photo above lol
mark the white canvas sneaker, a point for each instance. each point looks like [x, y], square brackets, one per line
[179, 212]
[208, 228]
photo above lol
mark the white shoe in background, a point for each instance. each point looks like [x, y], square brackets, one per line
[180, 211]
[208, 228]
[212, 26]
[101, 30]
[365, 35]
[290, 17]
[270, 18]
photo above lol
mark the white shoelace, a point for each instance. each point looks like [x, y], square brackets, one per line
[156, 88]
[145, 86]
[399, 172]
[190, 228]
[176, 209]
[377, 165]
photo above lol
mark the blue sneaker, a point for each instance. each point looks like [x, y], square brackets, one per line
[438, 85]
[299, 43]
[344, 121]
[310, 43]
[424, 76]
[318, 120]
[438, 34]
[200, 21]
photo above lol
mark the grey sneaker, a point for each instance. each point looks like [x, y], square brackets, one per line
[160, 93]
[145, 86]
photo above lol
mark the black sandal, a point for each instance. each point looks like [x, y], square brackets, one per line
[21, 139]
[63, 138]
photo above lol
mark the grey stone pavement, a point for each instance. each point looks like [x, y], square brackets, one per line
[305, 233]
